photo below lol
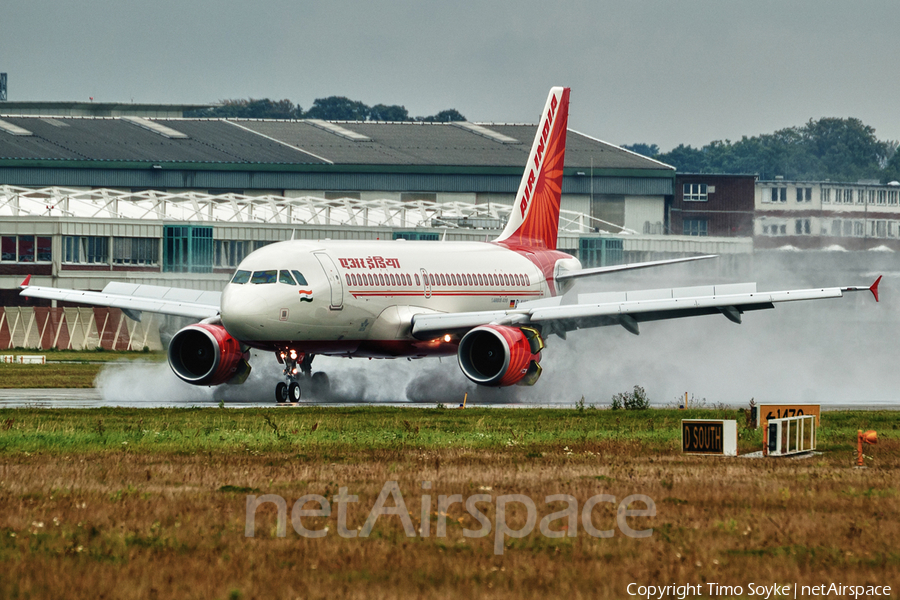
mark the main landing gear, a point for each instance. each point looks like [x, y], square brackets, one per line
[297, 367]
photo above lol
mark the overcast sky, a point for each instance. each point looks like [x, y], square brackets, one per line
[664, 72]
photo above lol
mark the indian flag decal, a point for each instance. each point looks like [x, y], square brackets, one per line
[305, 295]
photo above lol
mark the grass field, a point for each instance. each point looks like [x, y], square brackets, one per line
[152, 503]
[65, 368]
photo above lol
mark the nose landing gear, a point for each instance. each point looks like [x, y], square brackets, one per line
[297, 366]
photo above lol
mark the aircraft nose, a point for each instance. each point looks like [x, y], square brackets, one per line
[243, 313]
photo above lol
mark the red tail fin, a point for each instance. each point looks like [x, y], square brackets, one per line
[534, 221]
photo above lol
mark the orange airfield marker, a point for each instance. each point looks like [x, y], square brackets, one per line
[869, 437]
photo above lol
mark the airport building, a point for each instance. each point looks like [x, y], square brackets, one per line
[809, 215]
[173, 201]
[713, 205]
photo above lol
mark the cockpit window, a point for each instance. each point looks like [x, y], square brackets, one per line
[241, 277]
[264, 277]
[285, 277]
[299, 277]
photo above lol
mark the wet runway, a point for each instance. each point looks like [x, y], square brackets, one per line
[93, 398]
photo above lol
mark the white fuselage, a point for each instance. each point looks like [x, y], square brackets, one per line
[358, 298]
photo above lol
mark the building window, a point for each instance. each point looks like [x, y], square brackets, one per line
[135, 251]
[848, 196]
[695, 192]
[892, 197]
[85, 250]
[8, 248]
[802, 227]
[697, 227]
[415, 235]
[881, 229]
[804, 194]
[779, 194]
[882, 196]
[861, 196]
[187, 249]
[858, 229]
[25, 248]
[826, 195]
[836, 228]
[230, 253]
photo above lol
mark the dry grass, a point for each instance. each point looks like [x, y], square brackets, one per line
[51, 375]
[64, 368]
[154, 523]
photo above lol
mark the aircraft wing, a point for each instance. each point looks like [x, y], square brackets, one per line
[134, 299]
[628, 267]
[628, 309]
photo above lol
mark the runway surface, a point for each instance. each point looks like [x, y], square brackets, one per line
[92, 398]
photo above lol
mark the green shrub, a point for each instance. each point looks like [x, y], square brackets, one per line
[635, 400]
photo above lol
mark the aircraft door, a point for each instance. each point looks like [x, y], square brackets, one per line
[426, 283]
[334, 280]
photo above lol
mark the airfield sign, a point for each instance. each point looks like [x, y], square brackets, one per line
[705, 436]
[785, 411]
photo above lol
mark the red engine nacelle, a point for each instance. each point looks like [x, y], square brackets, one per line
[204, 354]
[496, 355]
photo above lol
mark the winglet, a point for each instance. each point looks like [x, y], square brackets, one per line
[874, 288]
[25, 283]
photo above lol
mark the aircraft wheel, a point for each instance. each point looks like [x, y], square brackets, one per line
[320, 382]
[293, 392]
[281, 392]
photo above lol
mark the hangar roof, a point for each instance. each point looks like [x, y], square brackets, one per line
[248, 144]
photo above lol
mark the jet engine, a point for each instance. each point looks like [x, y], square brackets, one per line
[205, 354]
[497, 355]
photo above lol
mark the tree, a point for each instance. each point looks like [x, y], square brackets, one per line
[685, 159]
[649, 150]
[250, 109]
[830, 148]
[445, 116]
[337, 108]
[892, 169]
[382, 112]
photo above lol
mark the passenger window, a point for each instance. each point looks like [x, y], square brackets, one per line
[241, 277]
[348, 279]
[299, 277]
[285, 277]
[418, 281]
[264, 276]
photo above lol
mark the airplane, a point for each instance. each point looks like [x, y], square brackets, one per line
[491, 304]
